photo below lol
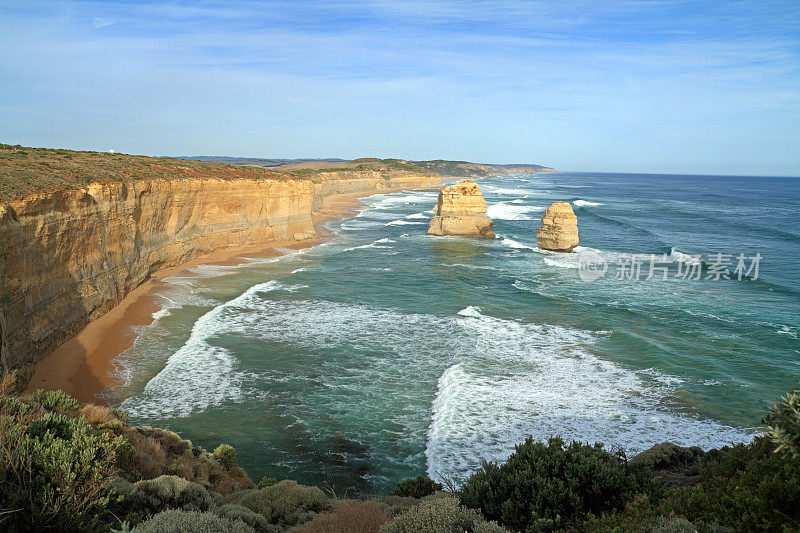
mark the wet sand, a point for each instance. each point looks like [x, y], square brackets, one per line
[83, 366]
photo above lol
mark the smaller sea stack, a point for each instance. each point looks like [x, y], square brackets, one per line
[461, 210]
[559, 229]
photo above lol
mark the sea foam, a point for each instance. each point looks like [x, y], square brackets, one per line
[544, 380]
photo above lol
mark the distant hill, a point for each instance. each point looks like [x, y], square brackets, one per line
[443, 167]
[465, 169]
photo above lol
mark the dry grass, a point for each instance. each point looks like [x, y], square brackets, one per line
[351, 516]
[99, 414]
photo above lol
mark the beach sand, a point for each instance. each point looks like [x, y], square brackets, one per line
[83, 366]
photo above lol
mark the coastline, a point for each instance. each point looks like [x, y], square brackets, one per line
[82, 367]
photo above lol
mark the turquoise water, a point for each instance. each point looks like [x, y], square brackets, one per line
[384, 353]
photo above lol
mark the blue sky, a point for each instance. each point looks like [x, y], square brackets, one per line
[619, 85]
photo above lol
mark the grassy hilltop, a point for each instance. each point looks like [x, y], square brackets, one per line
[25, 171]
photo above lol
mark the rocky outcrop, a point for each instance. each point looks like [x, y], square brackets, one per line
[69, 256]
[461, 210]
[559, 229]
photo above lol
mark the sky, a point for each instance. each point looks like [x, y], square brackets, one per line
[693, 87]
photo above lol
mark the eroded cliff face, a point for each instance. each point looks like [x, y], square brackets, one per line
[68, 256]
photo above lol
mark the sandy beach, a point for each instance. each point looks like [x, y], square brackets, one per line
[82, 366]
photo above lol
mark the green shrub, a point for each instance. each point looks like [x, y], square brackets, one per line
[672, 524]
[442, 515]
[266, 482]
[249, 517]
[55, 400]
[174, 521]
[673, 465]
[226, 455]
[784, 424]
[53, 467]
[417, 487]
[547, 486]
[285, 503]
[168, 492]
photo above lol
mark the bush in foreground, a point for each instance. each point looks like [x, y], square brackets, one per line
[417, 487]
[53, 467]
[550, 486]
[285, 503]
[190, 522]
[442, 515]
[784, 424]
[746, 487]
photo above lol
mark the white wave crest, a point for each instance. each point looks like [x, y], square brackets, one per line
[402, 222]
[585, 203]
[507, 211]
[199, 375]
[511, 243]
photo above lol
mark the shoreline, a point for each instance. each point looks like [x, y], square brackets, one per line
[83, 366]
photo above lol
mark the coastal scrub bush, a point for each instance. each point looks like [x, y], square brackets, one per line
[784, 424]
[168, 492]
[350, 516]
[549, 486]
[746, 487]
[226, 455]
[251, 518]
[174, 521]
[285, 503]
[442, 515]
[53, 468]
[673, 465]
[55, 400]
[417, 487]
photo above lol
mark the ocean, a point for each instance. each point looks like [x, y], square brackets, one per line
[383, 353]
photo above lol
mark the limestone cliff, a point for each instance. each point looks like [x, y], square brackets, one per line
[559, 229]
[461, 210]
[67, 256]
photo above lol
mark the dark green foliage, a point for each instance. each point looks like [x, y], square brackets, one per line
[191, 522]
[417, 487]
[442, 515]
[746, 487]
[55, 400]
[547, 486]
[226, 455]
[784, 424]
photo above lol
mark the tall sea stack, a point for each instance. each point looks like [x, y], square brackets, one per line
[559, 229]
[461, 210]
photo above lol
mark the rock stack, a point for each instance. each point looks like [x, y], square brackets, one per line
[461, 210]
[559, 229]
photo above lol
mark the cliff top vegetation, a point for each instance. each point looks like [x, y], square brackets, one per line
[25, 170]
